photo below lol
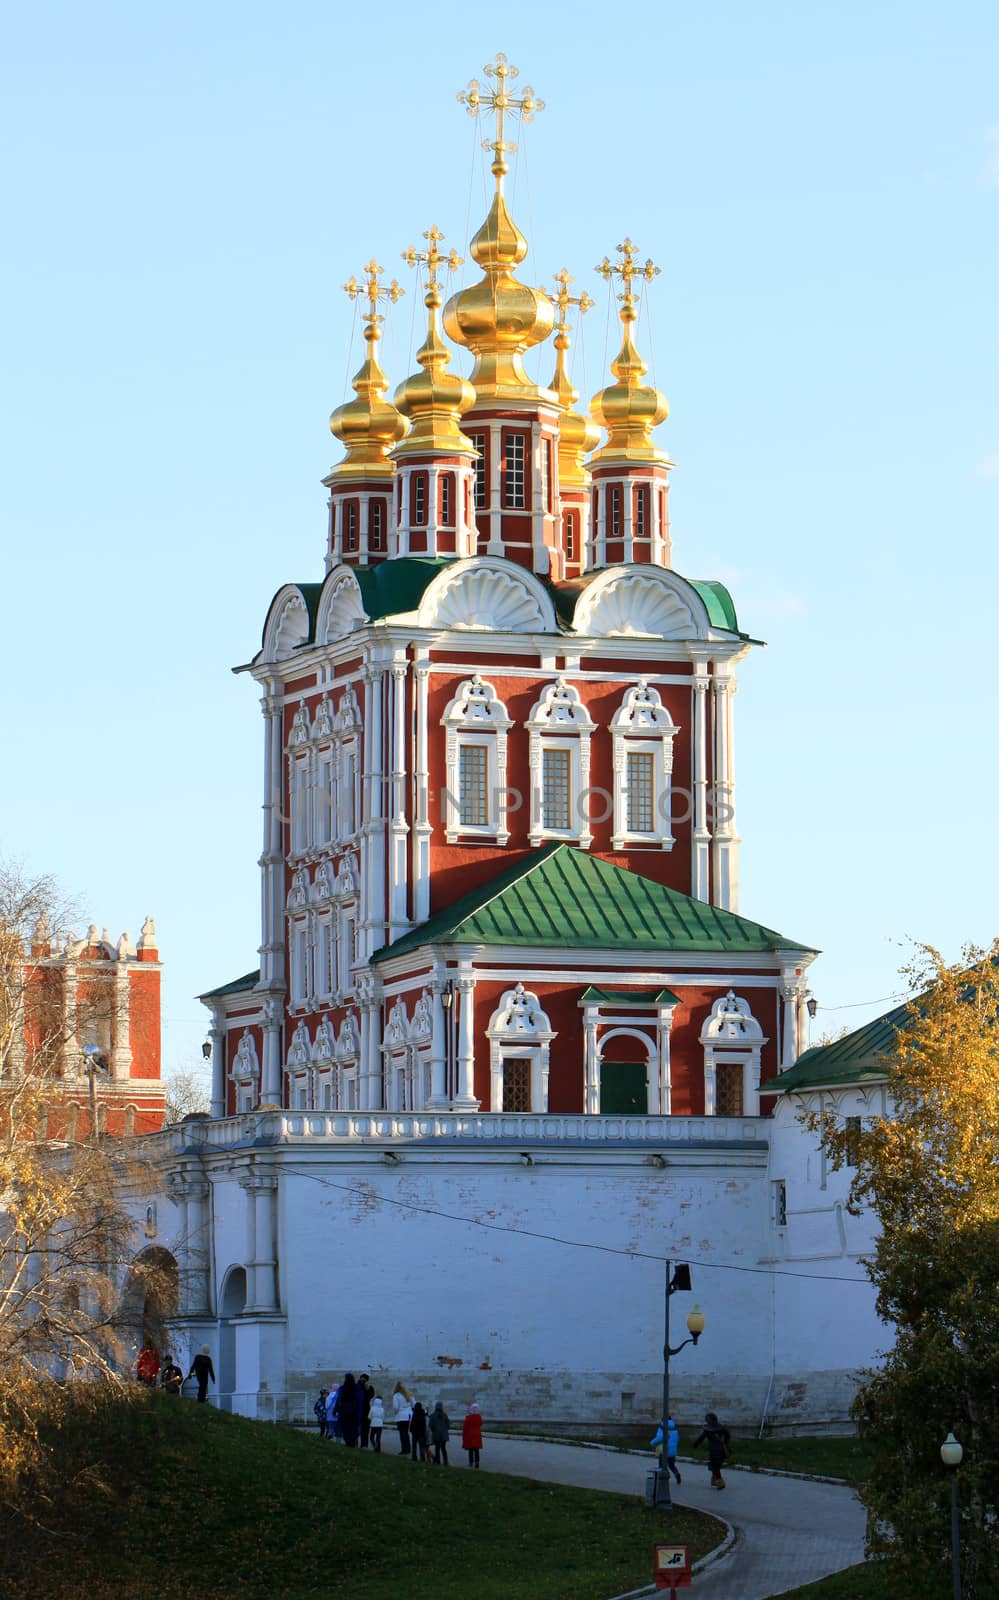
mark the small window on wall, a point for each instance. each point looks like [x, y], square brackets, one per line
[614, 511]
[555, 787]
[447, 499]
[515, 471]
[473, 785]
[419, 497]
[546, 457]
[570, 536]
[481, 487]
[376, 525]
[641, 513]
[516, 1084]
[350, 537]
[640, 779]
[779, 1192]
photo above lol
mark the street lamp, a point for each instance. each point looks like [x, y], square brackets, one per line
[93, 1059]
[678, 1279]
[951, 1454]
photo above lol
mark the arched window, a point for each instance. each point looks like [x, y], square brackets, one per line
[733, 1042]
[643, 732]
[520, 1037]
[245, 1073]
[299, 1062]
[476, 727]
[559, 757]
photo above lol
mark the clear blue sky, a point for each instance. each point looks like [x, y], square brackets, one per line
[187, 187]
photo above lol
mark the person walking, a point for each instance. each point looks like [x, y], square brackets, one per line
[377, 1422]
[418, 1431]
[471, 1434]
[672, 1445]
[319, 1412]
[171, 1377]
[366, 1390]
[348, 1410]
[332, 1425]
[718, 1440]
[147, 1368]
[202, 1370]
[402, 1407]
[440, 1433]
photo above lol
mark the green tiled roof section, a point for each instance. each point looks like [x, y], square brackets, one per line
[629, 997]
[857, 1056]
[721, 608]
[562, 897]
[249, 980]
[394, 587]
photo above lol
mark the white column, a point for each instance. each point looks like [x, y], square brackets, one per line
[591, 1071]
[600, 527]
[791, 988]
[376, 1068]
[710, 1084]
[195, 1259]
[495, 546]
[402, 534]
[665, 1086]
[726, 843]
[218, 1039]
[465, 1099]
[270, 1071]
[121, 1053]
[424, 827]
[628, 515]
[700, 832]
[261, 1189]
[438, 1049]
[399, 827]
[272, 968]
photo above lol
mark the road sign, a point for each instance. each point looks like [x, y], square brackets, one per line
[671, 1566]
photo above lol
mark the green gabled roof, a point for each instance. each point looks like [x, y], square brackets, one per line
[249, 980]
[392, 588]
[717, 601]
[629, 997]
[858, 1056]
[563, 897]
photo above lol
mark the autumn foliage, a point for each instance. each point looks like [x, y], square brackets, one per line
[930, 1173]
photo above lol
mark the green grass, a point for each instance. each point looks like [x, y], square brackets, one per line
[198, 1505]
[826, 1457]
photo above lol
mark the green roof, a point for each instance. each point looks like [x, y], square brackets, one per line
[563, 897]
[719, 603]
[716, 599]
[858, 1056]
[391, 588]
[249, 980]
[629, 997]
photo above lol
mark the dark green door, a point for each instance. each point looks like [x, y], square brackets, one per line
[623, 1088]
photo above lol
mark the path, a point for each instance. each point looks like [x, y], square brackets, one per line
[788, 1531]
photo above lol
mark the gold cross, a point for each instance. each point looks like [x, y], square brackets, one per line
[374, 290]
[501, 102]
[626, 269]
[433, 259]
[563, 299]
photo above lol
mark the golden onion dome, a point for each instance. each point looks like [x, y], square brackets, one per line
[368, 426]
[577, 432]
[499, 318]
[434, 399]
[629, 409]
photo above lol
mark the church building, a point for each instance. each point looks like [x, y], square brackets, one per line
[509, 1011]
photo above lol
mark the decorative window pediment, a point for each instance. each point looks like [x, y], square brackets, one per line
[560, 729]
[322, 727]
[396, 1029]
[346, 1045]
[642, 732]
[733, 1042]
[732, 1023]
[324, 887]
[298, 894]
[300, 1053]
[324, 1044]
[246, 1064]
[520, 1036]
[422, 1025]
[345, 884]
[560, 710]
[301, 728]
[476, 725]
[348, 716]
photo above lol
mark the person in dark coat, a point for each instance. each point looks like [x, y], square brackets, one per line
[348, 1410]
[202, 1370]
[366, 1390]
[418, 1431]
[471, 1434]
[319, 1411]
[718, 1440]
[171, 1377]
[440, 1432]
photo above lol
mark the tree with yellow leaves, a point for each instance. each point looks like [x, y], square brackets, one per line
[930, 1174]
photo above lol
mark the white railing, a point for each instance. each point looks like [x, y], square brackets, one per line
[475, 1128]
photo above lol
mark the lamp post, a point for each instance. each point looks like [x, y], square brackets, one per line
[951, 1454]
[93, 1063]
[679, 1278]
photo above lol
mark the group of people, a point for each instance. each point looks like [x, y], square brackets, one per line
[170, 1377]
[713, 1434]
[353, 1412]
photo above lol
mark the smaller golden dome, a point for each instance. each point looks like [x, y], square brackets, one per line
[577, 433]
[434, 399]
[629, 409]
[368, 426]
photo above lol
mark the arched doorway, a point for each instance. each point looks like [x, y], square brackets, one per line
[232, 1303]
[625, 1067]
[151, 1297]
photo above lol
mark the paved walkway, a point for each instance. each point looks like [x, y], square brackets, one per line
[788, 1531]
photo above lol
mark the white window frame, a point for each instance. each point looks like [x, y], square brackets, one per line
[560, 720]
[298, 961]
[643, 726]
[519, 1029]
[476, 716]
[732, 1035]
[324, 983]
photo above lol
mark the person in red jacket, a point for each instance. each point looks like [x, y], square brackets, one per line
[471, 1434]
[147, 1368]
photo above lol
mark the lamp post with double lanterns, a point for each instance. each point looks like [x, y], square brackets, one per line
[952, 1454]
[678, 1279]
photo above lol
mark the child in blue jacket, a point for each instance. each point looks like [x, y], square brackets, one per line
[672, 1445]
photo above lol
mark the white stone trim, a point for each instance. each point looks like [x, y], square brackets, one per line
[519, 1029]
[642, 724]
[476, 716]
[559, 720]
[731, 1034]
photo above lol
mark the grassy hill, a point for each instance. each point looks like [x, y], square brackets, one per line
[166, 1500]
